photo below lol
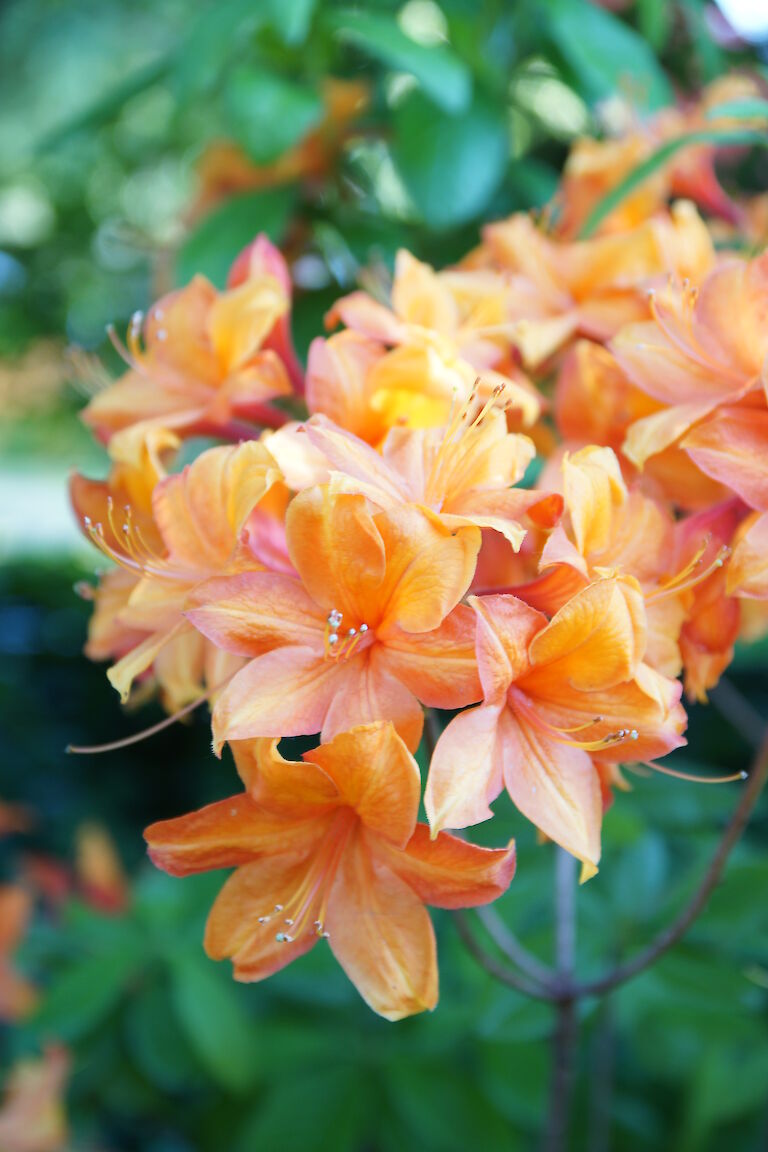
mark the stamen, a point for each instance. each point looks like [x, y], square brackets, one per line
[689, 776]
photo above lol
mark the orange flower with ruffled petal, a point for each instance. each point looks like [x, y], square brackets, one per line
[200, 360]
[329, 847]
[198, 528]
[557, 693]
[367, 629]
[465, 472]
[443, 331]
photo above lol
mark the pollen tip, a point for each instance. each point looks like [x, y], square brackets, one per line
[744, 775]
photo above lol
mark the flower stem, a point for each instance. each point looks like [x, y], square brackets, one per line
[565, 1034]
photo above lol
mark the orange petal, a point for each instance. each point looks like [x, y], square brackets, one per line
[201, 510]
[506, 627]
[465, 773]
[732, 447]
[253, 612]
[286, 692]
[369, 690]
[285, 787]
[554, 785]
[594, 641]
[240, 320]
[339, 385]
[594, 490]
[382, 936]
[450, 873]
[376, 776]
[337, 550]
[15, 910]
[428, 570]
[438, 667]
[233, 930]
[225, 834]
[748, 567]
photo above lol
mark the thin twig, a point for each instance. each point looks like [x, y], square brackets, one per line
[500, 971]
[507, 943]
[737, 710]
[602, 1070]
[677, 929]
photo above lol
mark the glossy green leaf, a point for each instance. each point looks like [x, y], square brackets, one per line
[214, 243]
[739, 110]
[268, 114]
[79, 999]
[443, 76]
[208, 1006]
[450, 165]
[605, 54]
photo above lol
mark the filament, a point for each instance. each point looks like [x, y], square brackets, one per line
[678, 775]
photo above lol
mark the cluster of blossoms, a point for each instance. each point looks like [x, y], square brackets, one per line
[372, 539]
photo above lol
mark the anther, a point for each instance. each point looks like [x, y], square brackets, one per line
[289, 922]
[264, 919]
[352, 632]
[363, 627]
[335, 618]
[278, 907]
[283, 938]
[333, 638]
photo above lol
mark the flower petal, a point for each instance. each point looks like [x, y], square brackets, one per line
[254, 612]
[233, 930]
[368, 690]
[224, 835]
[731, 447]
[286, 692]
[465, 773]
[594, 641]
[375, 775]
[555, 785]
[450, 873]
[438, 667]
[292, 788]
[506, 627]
[381, 934]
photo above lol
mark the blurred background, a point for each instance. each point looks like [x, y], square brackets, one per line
[144, 141]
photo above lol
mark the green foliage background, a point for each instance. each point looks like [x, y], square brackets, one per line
[104, 108]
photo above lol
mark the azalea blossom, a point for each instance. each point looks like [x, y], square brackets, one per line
[556, 694]
[196, 526]
[465, 472]
[329, 848]
[369, 628]
[200, 358]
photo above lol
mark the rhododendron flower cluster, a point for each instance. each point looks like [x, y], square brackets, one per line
[529, 490]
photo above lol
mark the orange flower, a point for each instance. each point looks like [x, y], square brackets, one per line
[17, 996]
[591, 287]
[99, 871]
[679, 565]
[595, 167]
[32, 1113]
[205, 360]
[225, 170]
[367, 629]
[443, 329]
[704, 348]
[465, 472]
[556, 694]
[200, 516]
[330, 848]
[732, 447]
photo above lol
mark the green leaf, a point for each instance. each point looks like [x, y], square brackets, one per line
[80, 999]
[214, 244]
[157, 1042]
[215, 36]
[605, 54]
[325, 1113]
[267, 114]
[442, 75]
[208, 1007]
[292, 19]
[450, 165]
[643, 171]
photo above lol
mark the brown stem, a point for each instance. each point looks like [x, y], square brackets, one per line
[496, 968]
[509, 945]
[677, 929]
